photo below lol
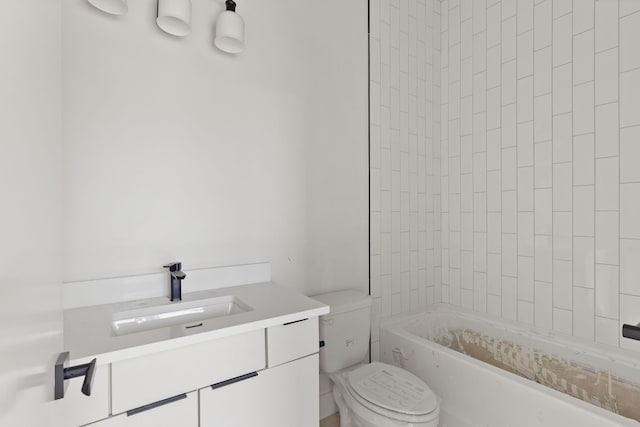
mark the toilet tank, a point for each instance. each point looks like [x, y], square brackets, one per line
[345, 330]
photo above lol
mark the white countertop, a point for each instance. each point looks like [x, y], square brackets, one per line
[88, 333]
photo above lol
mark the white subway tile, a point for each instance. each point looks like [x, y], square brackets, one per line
[607, 130]
[494, 191]
[494, 150]
[509, 128]
[630, 98]
[629, 154]
[583, 261]
[494, 232]
[543, 24]
[544, 305]
[583, 208]
[525, 189]
[543, 164]
[525, 99]
[630, 266]
[525, 278]
[563, 236]
[509, 212]
[630, 210]
[543, 118]
[606, 24]
[525, 312]
[509, 298]
[525, 234]
[543, 213]
[607, 239]
[563, 321]
[583, 108]
[562, 138]
[494, 67]
[627, 7]
[629, 313]
[583, 15]
[562, 187]
[607, 183]
[607, 290]
[494, 110]
[494, 274]
[562, 89]
[480, 252]
[493, 25]
[583, 164]
[479, 15]
[525, 15]
[562, 40]
[525, 54]
[480, 52]
[607, 331]
[480, 172]
[510, 255]
[583, 313]
[563, 284]
[509, 78]
[561, 7]
[629, 36]
[479, 102]
[542, 71]
[544, 259]
[583, 57]
[509, 169]
[509, 39]
[525, 144]
[494, 305]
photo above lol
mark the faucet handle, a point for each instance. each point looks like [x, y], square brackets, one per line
[173, 266]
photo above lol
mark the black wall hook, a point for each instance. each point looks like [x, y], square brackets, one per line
[88, 370]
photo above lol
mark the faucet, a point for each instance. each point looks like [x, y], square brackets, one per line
[176, 280]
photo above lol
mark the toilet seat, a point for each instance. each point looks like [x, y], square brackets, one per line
[382, 390]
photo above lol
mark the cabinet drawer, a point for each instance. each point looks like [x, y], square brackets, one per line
[284, 396]
[292, 341]
[180, 411]
[137, 382]
[80, 409]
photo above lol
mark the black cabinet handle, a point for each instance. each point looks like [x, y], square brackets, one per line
[295, 321]
[156, 404]
[233, 380]
[631, 331]
[88, 370]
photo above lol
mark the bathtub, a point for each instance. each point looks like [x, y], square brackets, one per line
[497, 373]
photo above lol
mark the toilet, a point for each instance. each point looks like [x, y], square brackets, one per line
[374, 394]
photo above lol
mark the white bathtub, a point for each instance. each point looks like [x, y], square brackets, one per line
[475, 393]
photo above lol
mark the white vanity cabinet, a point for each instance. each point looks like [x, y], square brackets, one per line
[283, 395]
[181, 410]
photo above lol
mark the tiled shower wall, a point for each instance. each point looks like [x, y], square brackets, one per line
[533, 174]
[404, 156]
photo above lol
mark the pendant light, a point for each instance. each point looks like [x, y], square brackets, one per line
[174, 17]
[113, 7]
[230, 30]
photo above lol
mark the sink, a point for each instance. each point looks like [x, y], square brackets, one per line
[189, 317]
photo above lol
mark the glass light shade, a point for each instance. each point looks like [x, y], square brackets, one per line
[114, 7]
[229, 32]
[174, 17]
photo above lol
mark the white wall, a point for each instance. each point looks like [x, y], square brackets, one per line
[30, 221]
[175, 151]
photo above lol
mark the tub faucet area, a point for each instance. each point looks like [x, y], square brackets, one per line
[175, 270]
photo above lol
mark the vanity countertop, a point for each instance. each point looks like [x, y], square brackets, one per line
[88, 333]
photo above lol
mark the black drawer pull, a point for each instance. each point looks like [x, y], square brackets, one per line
[233, 380]
[295, 321]
[156, 404]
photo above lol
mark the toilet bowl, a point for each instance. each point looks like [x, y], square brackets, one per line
[374, 394]
[381, 395]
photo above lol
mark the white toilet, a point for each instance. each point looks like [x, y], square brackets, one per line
[368, 395]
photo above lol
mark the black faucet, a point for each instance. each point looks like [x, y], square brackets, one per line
[176, 280]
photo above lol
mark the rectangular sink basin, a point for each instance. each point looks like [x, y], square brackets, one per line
[189, 316]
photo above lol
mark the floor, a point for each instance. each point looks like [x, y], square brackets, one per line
[331, 421]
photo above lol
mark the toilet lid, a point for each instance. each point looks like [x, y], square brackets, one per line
[393, 388]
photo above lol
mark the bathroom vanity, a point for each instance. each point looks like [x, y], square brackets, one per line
[238, 356]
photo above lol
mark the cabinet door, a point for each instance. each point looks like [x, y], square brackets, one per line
[180, 411]
[284, 396]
